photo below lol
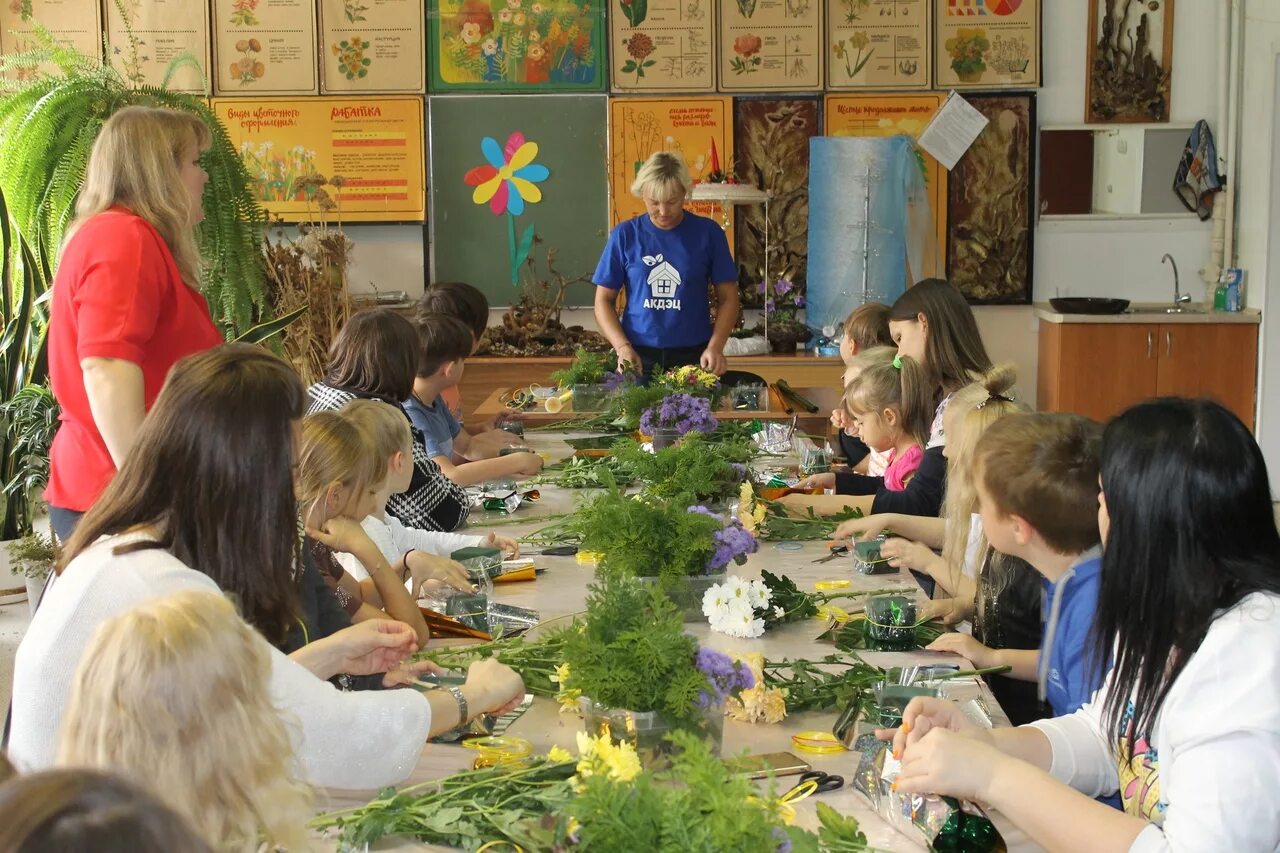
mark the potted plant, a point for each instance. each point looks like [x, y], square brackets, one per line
[968, 49]
[586, 376]
[638, 677]
[782, 305]
[34, 556]
[30, 420]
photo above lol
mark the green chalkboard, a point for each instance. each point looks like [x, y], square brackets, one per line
[496, 200]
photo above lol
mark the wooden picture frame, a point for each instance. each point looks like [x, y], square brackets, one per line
[1132, 85]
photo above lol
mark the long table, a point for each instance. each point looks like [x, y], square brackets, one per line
[561, 591]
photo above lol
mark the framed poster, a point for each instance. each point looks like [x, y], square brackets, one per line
[519, 187]
[700, 129]
[771, 151]
[265, 48]
[662, 45]
[162, 31]
[890, 115]
[374, 144]
[1130, 61]
[878, 44]
[373, 46]
[516, 45]
[990, 204]
[770, 45]
[74, 23]
[986, 44]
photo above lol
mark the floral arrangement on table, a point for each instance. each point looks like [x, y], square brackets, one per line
[746, 608]
[601, 802]
[690, 379]
[774, 521]
[695, 470]
[587, 368]
[681, 413]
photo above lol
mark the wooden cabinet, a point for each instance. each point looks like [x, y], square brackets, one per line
[1100, 369]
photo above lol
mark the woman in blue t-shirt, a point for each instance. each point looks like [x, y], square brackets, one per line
[666, 258]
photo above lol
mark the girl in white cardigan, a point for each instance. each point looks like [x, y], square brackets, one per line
[1186, 727]
[205, 500]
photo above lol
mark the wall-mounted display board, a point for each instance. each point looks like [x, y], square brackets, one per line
[373, 46]
[1130, 61]
[513, 180]
[990, 205]
[374, 143]
[770, 45]
[986, 44]
[162, 31]
[700, 129]
[662, 45]
[75, 23]
[890, 115]
[516, 45]
[878, 44]
[265, 47]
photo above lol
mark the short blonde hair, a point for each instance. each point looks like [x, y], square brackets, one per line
[661, 175]
[175, 694]
[334, 450]
[385, 428]
[136, 162]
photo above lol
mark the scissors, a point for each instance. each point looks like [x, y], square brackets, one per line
[813, 782]
[836, 551]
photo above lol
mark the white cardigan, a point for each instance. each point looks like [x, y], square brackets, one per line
[358, 740]
[394, 540]
[1211, 768]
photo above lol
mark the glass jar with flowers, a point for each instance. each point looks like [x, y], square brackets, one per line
[783, 326]
[675, 417]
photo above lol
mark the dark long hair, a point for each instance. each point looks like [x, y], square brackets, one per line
[80, 809]
[954, 353]
[375, 354]
[212, 472]
[1191, 534]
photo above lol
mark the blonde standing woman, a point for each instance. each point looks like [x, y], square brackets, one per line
[175, 696]
[126, 299]
[664, 259]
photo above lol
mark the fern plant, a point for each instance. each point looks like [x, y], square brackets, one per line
[30, 419]
[47, 129]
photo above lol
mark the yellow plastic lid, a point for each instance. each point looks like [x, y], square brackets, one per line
[831, 584]
[823, 743]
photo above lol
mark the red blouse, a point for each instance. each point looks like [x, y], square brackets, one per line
[118, 294]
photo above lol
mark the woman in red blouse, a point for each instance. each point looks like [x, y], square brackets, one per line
[126, 303]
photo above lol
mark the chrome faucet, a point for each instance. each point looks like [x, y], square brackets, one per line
[1178, 296]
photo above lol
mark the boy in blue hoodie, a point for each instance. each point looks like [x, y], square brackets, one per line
[1037, 483]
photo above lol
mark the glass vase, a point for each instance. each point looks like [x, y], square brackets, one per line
[589, 397]
[891, 623]
[647, 731]
[686, 592]
[664, 437]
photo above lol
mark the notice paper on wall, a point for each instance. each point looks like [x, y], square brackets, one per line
[953, 129]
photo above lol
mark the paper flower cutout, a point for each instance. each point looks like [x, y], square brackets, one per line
[509, 180]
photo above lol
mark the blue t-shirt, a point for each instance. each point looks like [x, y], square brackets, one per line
[666, 273]
[1072, 679]
[436, 423]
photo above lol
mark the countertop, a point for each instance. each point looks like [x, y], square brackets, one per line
[1152, 312]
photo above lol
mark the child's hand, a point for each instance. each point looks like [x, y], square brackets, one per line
[501, 686]
[967, 647]
[839, 419]
[867, 527]
[949, 610]
[904, 554]
[510, 548]
[527, 464]
[409, 672]
[947, 762]
[345, 535]
[818, 481]
[425, 567]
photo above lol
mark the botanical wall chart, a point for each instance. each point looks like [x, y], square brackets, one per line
[700, 129]
[889, 115]
[770, 45]
[368, 150]
[878, 44]
[373, 46]
[265, 48]
[986, 44]
[516, 45]
[771, 151]
[990, 209]
[1130, 61]
[163, 30]
[662, 45]
[514, 179]
[75, 23]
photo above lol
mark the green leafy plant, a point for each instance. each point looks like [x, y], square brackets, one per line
[586, 472]
[693, 471]
[780, 525]
[34, 554]
[47, 129]
[587, 368]
[535, 660]
[30, 420]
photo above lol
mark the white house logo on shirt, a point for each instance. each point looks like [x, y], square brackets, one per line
[664, 281]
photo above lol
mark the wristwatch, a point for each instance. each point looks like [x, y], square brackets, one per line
[464, 716]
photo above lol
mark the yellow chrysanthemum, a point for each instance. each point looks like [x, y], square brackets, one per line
[759, 703]
[559, 755]
[600, 756]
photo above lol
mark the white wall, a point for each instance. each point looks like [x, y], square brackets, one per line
[1079, 259]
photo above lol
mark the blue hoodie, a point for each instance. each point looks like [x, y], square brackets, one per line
[1065, 673]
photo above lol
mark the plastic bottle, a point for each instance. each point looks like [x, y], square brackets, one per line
[1220, 293]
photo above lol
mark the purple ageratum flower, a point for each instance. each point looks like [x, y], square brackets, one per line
[784, 843]
[723, 673]
[702, 510]
[614, 381]
[739, 471]
[682, 412]
[782, 286]
[733, 543]
[760, 288]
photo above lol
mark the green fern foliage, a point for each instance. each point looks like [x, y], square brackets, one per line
[47, 129]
